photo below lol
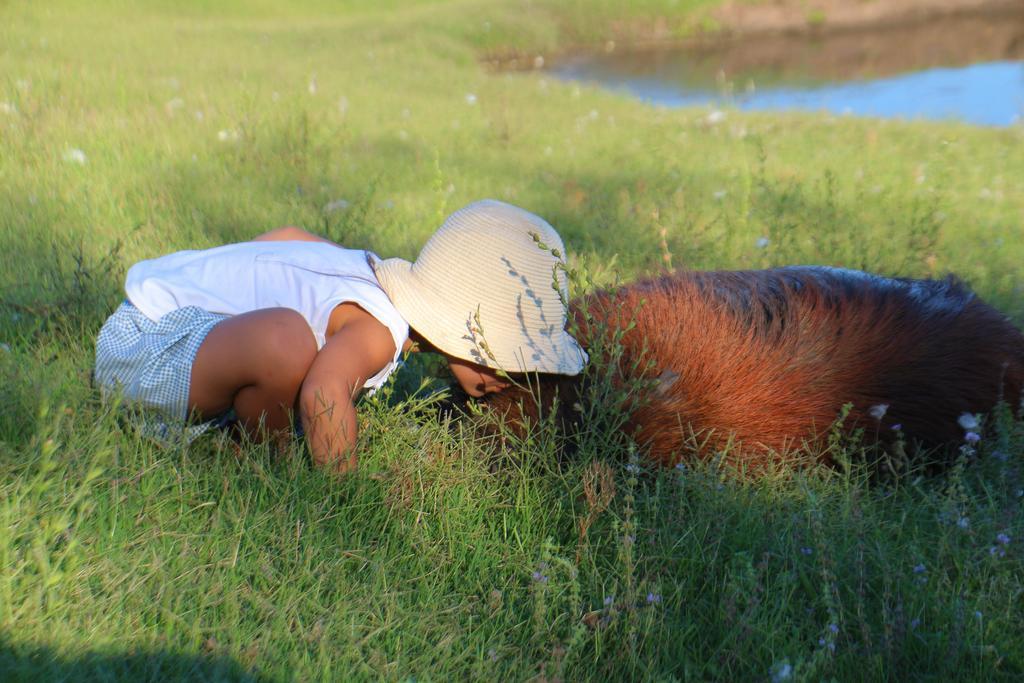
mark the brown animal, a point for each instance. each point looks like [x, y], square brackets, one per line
[760, 363]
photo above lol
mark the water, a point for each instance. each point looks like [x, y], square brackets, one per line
[969, 69]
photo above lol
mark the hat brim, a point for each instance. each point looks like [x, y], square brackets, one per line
[457, 333]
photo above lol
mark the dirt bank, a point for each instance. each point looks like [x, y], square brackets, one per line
[891, 48]
[758, 31]
[801, 16]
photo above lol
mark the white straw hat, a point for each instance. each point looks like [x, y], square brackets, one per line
[481, 290]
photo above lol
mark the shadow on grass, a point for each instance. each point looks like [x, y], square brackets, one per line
[24, 662]
[64, 282]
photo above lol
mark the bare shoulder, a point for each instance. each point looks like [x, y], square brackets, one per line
[352, 326]
[359, 348]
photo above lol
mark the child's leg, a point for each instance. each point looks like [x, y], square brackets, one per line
[254, 362]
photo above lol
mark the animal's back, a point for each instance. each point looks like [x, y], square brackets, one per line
[763, 361]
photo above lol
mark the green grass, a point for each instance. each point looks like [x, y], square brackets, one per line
[121, 560]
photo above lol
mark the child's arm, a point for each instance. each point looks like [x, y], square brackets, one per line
[326, 402]
[290, 233]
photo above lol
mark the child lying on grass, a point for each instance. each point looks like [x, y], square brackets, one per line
[293, 323]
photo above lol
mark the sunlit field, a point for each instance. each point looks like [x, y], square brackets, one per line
[128, 130]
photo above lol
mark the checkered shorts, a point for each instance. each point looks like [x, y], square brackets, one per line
[150, 364]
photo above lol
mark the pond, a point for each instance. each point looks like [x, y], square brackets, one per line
[967, 68]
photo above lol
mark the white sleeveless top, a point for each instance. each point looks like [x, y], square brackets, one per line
[308, 277]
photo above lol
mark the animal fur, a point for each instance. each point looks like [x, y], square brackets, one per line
[761, 363]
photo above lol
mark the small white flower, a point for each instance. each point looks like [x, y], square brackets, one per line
[174, 105]
[968, 422]
[199, 115]
[228, 135]
[762, 242]
[336, 205]
[964, 522]
[470, 99]
[74, 156]
[538, 62]
[312, 85]
[878, 411]
[8, 108]
[6, 348]
[782, 671]
[719, 194]
[716, 116]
